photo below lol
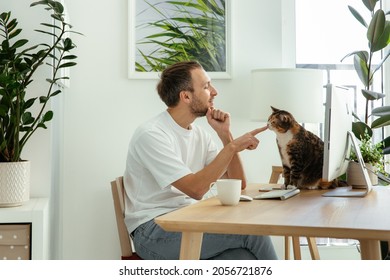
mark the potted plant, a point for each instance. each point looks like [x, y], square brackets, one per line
[18, 64]
[373, 159]
[378, 37]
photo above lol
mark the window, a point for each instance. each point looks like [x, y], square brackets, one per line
[326, 32]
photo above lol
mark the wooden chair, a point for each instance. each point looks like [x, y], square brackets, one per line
[277, 171]
[118, 195]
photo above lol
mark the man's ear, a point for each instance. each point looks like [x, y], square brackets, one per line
[185, 96]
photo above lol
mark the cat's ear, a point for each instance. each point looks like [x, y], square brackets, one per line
[274, 109]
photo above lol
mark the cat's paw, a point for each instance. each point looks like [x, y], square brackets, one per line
[291, 187]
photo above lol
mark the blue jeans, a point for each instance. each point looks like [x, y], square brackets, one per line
[153, 243]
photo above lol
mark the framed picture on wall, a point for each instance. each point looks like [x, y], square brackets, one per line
[164, 32]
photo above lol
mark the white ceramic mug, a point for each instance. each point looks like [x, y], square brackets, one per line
[229, 191]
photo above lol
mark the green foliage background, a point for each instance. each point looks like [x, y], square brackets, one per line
[185, 30]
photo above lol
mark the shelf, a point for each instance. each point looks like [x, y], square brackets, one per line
[36, 212]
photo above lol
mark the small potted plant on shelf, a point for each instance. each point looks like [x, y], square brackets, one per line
[18, 65]
[378, 38]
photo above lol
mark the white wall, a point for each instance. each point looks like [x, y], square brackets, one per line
[97, 115]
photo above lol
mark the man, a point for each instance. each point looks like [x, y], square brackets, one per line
[171, 163]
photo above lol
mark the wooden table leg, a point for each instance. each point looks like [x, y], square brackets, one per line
[312, 242]
[191, 244]
[287, 247]
[296, 248]
[370, 249]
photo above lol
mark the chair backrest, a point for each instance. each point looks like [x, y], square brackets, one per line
[277, 171]
[118, 195]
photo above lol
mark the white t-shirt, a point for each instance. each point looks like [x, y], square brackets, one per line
[160, 153]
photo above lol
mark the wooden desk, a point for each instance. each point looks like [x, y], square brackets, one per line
[307, 214]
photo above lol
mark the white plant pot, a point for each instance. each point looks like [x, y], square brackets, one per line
[14, 183]
[355, 176]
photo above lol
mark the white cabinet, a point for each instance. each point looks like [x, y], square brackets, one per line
[34, 213]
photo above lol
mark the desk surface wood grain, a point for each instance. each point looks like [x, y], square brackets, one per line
[306, 214]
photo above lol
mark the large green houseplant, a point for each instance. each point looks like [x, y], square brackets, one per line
[19, 63]
[378, 38]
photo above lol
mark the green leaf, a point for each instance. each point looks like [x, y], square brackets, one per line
[381, 111]
[5, 16]
[48, 116]
[357, 16]
[31, 48]
[372, 95]
[11, 25]
[45, 32]
[19, 43]
[375, 29]
[384, 38]
[386, 145]
[14, 33]
[51, 26]
[43, 99]
[58, 7]
[55, 93]
[68, 44]
[381, 122]
[68, 64]
[27, 118]
[29, 103]
[42, 125]
[370, 4]
[360, 128]
[43, 2]
[74, 32]
[362, 54]
[69, 57]
[361, 68]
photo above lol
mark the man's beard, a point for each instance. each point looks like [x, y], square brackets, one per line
[197, 108]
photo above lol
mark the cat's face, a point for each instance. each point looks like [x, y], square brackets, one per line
[280, 121]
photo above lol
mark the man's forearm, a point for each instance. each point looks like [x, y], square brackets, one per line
[235, 169]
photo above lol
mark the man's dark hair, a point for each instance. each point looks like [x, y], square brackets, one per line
[175, 79]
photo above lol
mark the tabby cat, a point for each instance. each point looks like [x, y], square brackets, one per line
[301, 152]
